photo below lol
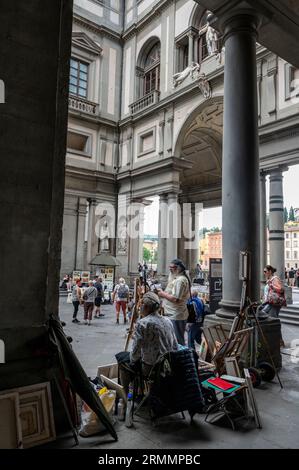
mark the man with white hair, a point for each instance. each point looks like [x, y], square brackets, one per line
[154, 334]
[175, 298]
[153, 337]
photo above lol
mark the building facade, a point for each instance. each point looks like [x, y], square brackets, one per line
[292, 245]
[210, 247]
[146, 119]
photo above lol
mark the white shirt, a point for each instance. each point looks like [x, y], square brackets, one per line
[154, 336]
[179, 288]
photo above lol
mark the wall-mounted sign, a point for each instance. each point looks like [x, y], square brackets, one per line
[215, 283]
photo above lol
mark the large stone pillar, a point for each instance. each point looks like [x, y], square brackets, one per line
[263, 223]
[35, 47]
[173, 221]
[136, 234]
[240, 173]
[80, 234]
[276, 222]
[162, 229]
[194, 248]
[92, 242]
[190, 48]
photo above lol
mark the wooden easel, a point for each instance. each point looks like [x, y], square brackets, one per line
[136, 311]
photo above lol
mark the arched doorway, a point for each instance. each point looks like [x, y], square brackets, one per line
[199, 141]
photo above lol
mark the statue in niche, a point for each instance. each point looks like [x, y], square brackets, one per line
[205, 88]
[122, 237]
[221, 56]
[104, 237]
[211, 37]
[179, 77]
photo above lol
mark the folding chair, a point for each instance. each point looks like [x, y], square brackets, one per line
[230, 407]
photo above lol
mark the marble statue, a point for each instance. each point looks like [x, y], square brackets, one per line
[104, 237]
[179, 77]
[212, 40]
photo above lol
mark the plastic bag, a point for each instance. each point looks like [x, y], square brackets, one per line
[90, 423]
[69, 298]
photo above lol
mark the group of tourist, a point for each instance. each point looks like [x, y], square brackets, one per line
[292, 277]
[90, 298]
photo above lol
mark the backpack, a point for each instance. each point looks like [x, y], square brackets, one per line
[99, 288]
[122, 291]
[195, 310]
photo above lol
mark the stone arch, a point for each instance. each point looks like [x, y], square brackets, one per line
[197, 114]
[199, 141]
[196, 16]
[145, 49]
[141, 63]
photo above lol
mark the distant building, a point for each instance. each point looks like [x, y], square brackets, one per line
[210, 247]
[151, 245]
[291, 244]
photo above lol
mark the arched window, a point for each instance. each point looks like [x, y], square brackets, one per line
[151, 79]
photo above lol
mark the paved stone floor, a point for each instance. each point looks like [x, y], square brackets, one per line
[279, 409]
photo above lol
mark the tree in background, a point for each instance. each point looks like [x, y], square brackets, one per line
[291, 215]
[285, 215]
[146, 254]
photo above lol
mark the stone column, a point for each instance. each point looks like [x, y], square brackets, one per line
[136, 236]
[92, 242]
[81, 218]
[194, 250]
[240, 173]
[190, 48]
[263, 223]
[162, 234]
[169, 135]
[173, 222]
[276, 223]
[161, 137]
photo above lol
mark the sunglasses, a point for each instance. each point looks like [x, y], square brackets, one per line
[265, 271]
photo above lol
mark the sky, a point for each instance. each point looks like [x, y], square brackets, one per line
[212, 217]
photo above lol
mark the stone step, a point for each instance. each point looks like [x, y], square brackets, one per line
[293, 309]
[290, 315]
[286, 321]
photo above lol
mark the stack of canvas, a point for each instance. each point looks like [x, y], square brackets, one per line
[26, 417]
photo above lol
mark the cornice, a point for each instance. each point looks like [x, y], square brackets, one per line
[95, 28]
[93, 119]
[280, 159]
[141, 24]
[286, 127]
[172, 163]
[83, 173]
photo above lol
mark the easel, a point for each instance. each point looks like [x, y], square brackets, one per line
[135, 313]
[238, 335]
[246, 306]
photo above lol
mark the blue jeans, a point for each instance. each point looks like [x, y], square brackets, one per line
[194, 333]
[179, 329]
